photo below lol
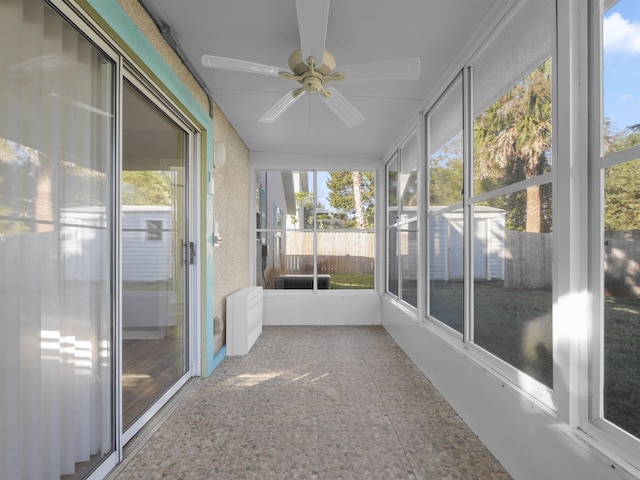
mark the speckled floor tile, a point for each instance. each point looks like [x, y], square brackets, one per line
[450, 454]
[266, 454]
[346, 379]
[277, 412]
[422, 394]
[397, 382]
[319, 403]
[227, 417]
[302, 379]
[394, 357]
[181, 453]
[365, 454]
[445, 419]
[353, 415]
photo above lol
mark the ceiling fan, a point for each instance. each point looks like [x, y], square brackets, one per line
[312, 66]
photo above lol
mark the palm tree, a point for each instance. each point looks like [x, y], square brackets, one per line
[512, 140]
[352, 194]
[358, 197]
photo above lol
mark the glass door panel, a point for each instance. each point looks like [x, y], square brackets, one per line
[56, 157]
[155, 254]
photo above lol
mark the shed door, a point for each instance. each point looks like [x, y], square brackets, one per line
[454, 254]
[480, 257]
[454, 249]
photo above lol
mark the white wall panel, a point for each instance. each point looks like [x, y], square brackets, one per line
[522, 435]
[324, 308]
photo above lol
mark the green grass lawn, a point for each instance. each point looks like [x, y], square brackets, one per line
[516, 326]
[355, 281]
[622, 363]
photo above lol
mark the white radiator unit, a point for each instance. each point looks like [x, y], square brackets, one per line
[244, 320]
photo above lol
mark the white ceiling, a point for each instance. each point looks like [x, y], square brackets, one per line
[359, 31]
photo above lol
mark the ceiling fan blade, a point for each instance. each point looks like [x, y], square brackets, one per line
[398, 69]
[239, 65]
[313, 17]
[343, 108]
[281, 106]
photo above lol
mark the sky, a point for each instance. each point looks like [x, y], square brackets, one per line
[622, 63]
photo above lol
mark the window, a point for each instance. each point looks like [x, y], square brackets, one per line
[510, 202]
[402, 223]
[445, 297]
[489, 200]
[392, 221]
[322, 233]
[616, 364]
[154, 230]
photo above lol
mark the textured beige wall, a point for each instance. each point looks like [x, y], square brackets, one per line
[231, 260]
[231, 182]
[146, 25]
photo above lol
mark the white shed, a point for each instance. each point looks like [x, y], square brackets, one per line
[446, 241]
[147, 240]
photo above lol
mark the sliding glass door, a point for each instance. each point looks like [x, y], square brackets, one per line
[95, 247]
[156, 253]
[56, 238]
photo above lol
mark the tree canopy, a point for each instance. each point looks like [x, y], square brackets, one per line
[147, 187]
[512, 142]
[622, 183]
[446, 173]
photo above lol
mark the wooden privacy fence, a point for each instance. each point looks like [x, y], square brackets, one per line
[527, 256]
[528, 260]
[338, 252]
[622, 263]
[347, 265]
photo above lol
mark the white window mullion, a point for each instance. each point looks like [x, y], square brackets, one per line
[570, 224]
[315, 231]
[617, 445]
[467, 119]
[423, 217]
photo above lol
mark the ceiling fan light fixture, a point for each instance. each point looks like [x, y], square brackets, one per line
[300, 65]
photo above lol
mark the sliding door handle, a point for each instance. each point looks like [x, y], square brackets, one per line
[192, 253]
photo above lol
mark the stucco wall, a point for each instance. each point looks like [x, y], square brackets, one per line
[231, 260]
[146, 25]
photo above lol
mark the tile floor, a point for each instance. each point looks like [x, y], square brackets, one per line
[315, 403]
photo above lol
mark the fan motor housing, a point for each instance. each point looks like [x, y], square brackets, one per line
[299, 66]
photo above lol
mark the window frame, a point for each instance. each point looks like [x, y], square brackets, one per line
[398, 226]
[460, 80]
[83, 25]
[529, 387]
[621, 445]
[143, 76]
[278, 233]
